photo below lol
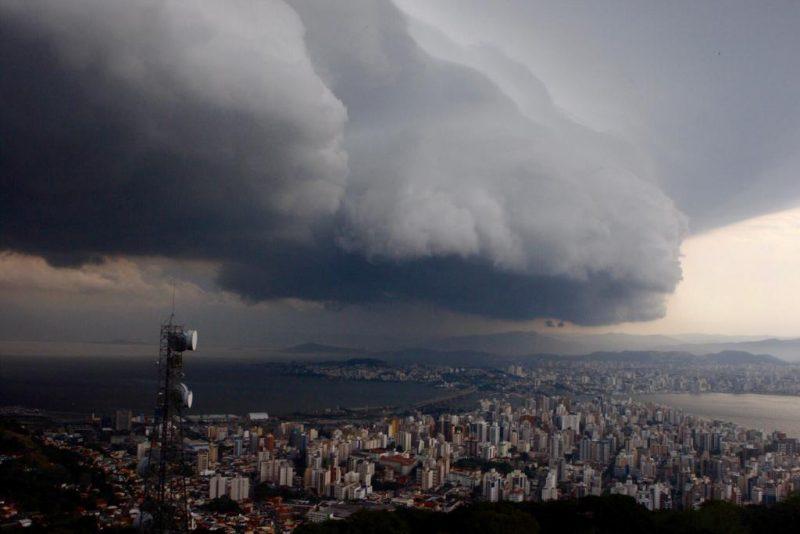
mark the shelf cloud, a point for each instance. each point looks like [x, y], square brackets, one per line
[315, 151]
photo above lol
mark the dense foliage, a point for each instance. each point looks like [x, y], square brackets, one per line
[52, 483]
[592, 515]
[223, 505]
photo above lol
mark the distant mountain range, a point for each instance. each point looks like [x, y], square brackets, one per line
[522, 343]
[475, 349]
[725, 357]
[476, 358]
[785, 349]
[738, 357]
[455, 358]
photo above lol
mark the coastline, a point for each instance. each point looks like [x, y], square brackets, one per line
[758, 411]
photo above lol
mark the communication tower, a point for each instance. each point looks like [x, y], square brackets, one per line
[165, 507]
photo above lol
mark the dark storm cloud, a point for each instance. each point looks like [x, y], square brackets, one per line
[708, 90]
[323, 156]
[464, 285]
[128, 130]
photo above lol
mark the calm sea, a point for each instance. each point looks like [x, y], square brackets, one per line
[763, 412]
[94, 384]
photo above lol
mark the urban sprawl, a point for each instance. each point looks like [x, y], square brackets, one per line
[512, 434]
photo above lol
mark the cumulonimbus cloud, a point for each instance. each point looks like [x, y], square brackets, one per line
[317, 152]
[130, 124]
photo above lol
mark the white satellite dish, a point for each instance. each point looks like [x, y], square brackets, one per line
[186, 395]
[186, 340]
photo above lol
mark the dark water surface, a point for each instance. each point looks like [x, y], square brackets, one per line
[761, 412]
[103, 384]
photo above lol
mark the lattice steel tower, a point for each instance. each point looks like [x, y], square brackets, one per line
[165, 507]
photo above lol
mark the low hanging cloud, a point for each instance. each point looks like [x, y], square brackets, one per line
[162, 128]
[315, 151]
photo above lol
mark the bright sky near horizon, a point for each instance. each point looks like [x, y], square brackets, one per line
[741, 279]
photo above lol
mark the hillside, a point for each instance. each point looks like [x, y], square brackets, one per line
[785, 349]
[54, 486]
[681, 357]
[596, 515]
[742, 357]
[479, 358]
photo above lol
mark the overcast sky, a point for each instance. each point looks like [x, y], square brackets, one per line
[376, 172]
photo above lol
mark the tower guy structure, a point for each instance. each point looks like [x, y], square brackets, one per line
[165, 507]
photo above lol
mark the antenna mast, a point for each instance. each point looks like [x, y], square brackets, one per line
[172, 313]
[165, 506]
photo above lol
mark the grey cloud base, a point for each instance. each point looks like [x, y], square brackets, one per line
[466, 286]
[316, 152]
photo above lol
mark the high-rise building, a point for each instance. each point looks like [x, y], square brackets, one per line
[265, 470]
[142, 449]
[277, 471]
[556, 446]
[585, 449]
[202, 462]
[425, 478]
[404, 440]
[240, 488]
[517, 481]
[213, 454]
[394, 427]
[655, 496]
[488, 451]
[122, 421]
[366, 470]
[481, 431]
[604, 450]
[317, 479]
[490, 488]
[550, 489]
[286, 475]
[494, 434]
[217, 487]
